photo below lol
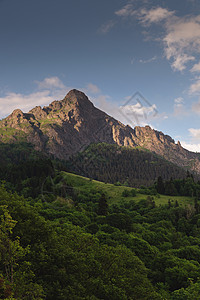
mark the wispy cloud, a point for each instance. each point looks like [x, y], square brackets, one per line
[154, 15]
[106, 27]
[92, 89]
[126, 11]
[180, 61]
[144, 15]
[180, 37]
[195, 88]
[50, 83]
[143, 61]
[195, 133]
[196, 68]
[196, 107]
[182, 41]
[179, 101]
[179, 108]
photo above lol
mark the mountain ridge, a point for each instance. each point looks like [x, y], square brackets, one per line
[68, 126]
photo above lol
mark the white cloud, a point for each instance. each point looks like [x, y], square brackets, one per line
[180, 61]
[50, 89]
[194, 144]
[154, 15]
[181, 35]
[50, 83]
[195, 133]
[195, 88]
[12, 101]
[138, 109]
[196, 68]
[191, 147]
[182, 41]
[179, 100]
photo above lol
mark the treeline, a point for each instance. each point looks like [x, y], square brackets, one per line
[23, 169]
[26, 170]
[17, 152]
[112, 163]
[179, 187]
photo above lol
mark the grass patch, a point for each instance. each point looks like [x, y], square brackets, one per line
[10, 134]
[115, 192]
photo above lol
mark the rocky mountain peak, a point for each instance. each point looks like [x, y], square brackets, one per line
[17, 113]
[68, 126]
[79, 98]
[74, 93]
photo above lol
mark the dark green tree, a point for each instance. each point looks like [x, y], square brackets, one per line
[160, 185]
[103, 205]
[196, 206]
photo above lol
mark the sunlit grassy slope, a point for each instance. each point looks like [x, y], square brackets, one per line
[115, 192]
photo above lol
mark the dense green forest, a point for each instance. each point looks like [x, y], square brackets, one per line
[66, 237]
[112, 163]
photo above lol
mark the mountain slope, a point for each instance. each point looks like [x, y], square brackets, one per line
[68, 126]
[112, 163]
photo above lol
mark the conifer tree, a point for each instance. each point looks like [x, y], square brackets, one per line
[103, 205]
[160, 185]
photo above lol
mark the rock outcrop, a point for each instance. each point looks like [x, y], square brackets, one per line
[68, 126]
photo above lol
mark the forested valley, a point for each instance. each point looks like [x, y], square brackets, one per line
[64, 236]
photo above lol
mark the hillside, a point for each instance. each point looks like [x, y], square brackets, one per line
[67, 127]
[113, 163]
[84, 239]
[115, 193]
[71, 237]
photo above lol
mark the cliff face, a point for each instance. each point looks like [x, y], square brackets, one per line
[68, 126]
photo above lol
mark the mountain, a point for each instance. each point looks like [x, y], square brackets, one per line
[67, 127]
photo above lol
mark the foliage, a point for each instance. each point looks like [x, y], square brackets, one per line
[125, 165]
[63, 236]
[183, 187]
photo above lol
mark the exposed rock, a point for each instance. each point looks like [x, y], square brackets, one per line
[38, 113]
[68, 126]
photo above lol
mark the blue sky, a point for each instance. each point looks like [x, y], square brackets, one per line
[110, 50]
